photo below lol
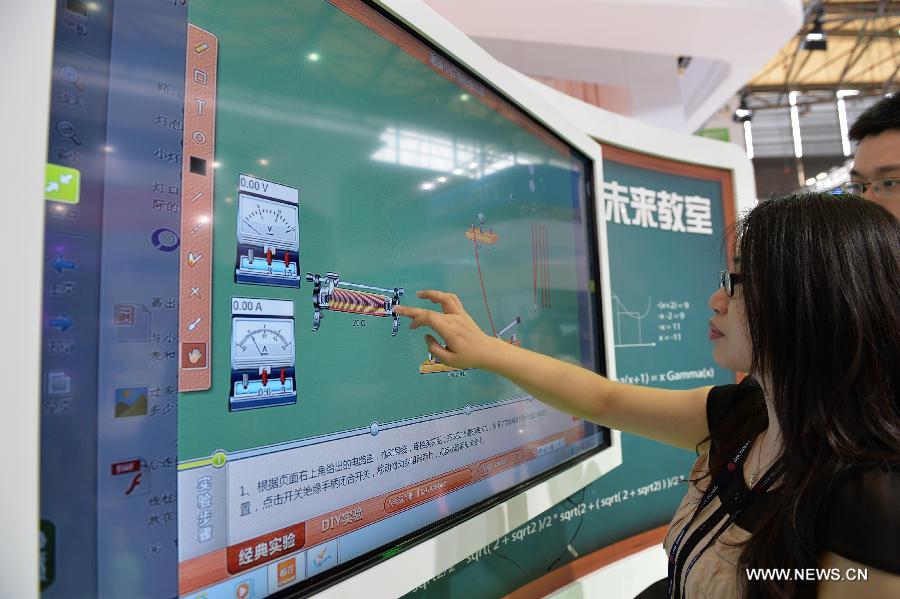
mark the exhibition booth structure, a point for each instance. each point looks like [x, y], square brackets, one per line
[219, 396]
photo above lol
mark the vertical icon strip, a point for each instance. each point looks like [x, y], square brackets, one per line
[198, 171]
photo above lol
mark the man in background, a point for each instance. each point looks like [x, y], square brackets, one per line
[876, 167]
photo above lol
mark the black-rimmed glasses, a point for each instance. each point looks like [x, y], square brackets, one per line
[728, 280]
[887, 188]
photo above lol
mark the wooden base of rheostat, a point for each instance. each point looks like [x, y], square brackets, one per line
[480, 237]
[430, 366]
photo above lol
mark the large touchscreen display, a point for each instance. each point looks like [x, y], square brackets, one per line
[319, 164]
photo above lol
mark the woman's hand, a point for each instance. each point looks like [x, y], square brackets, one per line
[674, 417]
[465, 345]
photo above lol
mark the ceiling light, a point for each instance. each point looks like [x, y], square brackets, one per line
[795, 124]
[842, 119]
[816, 38]
[743, 112]
[748, 139]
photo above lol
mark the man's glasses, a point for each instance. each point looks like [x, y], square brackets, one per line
[728, 280]
[887, 188]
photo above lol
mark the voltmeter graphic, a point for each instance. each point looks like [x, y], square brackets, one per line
[268, 233]
[262, 355]
[268, 223]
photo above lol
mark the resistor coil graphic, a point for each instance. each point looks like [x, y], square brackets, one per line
[330, 293]
[358, 302]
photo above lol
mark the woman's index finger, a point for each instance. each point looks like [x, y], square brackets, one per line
[446, 300]
[408, 311]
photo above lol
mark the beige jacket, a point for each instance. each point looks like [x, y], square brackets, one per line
[715, 574]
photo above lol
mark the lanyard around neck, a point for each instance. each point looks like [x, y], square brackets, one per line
[772, 475]
[722, 479]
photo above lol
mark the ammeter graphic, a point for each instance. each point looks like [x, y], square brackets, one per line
[268, 230]
[636, 319]
[262, 354]
[330, 293]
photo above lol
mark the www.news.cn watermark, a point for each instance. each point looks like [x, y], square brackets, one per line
[808, 574]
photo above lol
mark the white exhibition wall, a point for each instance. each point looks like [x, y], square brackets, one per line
[26, 43]
[633, 46]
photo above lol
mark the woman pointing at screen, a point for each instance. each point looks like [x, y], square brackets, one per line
[800, 470]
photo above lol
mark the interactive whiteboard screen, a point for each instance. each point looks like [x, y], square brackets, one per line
[266, 181]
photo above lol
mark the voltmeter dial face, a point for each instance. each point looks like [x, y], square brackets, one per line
[259, 342]
[268, 223]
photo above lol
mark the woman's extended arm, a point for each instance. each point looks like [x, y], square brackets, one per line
[674, 417]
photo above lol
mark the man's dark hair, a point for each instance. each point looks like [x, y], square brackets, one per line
[880, 117]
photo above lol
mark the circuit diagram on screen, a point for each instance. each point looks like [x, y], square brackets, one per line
[478, 233]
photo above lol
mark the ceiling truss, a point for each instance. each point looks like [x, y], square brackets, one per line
[863, 53]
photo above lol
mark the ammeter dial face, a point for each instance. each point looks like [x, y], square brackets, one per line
[268, 223]
[259, 342]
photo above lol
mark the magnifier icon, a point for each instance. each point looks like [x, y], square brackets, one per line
[71, 75]
[67, 130]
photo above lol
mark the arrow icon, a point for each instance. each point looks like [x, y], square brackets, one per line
[65, 179]
[61, 322]
[60, 264]
[194, 258]
[52, 186]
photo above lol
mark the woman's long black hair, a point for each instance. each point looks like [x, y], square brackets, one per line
[821, 294]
